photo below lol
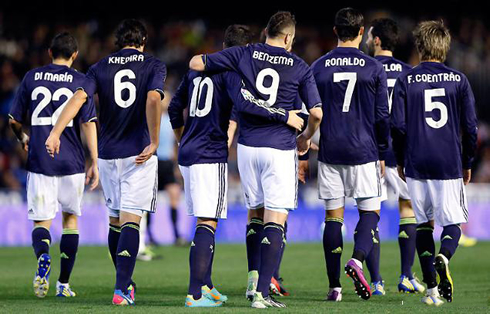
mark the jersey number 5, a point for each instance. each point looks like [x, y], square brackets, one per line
[431, 105]
[351, 77]
[47, 97]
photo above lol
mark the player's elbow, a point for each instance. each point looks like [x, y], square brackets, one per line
[196, 63]
[154, 98]
[14, 124]
[316, 114]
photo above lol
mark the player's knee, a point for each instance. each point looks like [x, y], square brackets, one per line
[70, 221]
[256, 214]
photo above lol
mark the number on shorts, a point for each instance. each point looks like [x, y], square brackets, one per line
[271, 91]
[47, 98]
[199, 83]
[119, 86]
[351, 77]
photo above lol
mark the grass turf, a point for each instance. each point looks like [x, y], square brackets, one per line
[162, 284]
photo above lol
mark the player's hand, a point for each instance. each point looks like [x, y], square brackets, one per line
[401, 173]
[303, 171]
[314, 147]
[92, 175]
[303, 144]
[466, 176]
[53, 145]
[295, 121]
[25, 142]
[383, 168]
[146, 154]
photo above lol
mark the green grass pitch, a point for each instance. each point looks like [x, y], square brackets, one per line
[162, 284]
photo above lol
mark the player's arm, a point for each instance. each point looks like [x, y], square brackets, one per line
[308, 93]
[153, 119]
[225, 60]
[69, 112]
[18, 114]
[176, 108]
[382, 117]
[398, 124]
[232, 126]
[19, 133]
[469, 129]
[92, 176]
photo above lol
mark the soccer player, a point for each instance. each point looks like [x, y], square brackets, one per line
[353, 142]
[433, 107]
[42, 95]
[267, 158]
[381, 41]
[129, 84]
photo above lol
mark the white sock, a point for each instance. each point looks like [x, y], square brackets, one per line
[358, 262]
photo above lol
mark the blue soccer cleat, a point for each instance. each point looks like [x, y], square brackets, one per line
[405, 285]
[63, 290]
[122, 299]
[213, 294]
[202, 302]
[378, 288]
[41, 279]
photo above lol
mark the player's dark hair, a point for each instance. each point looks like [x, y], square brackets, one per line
[387, 31]
[131, 32]
[278, 22]
[237, 35]
[348, 22]
[63, 46]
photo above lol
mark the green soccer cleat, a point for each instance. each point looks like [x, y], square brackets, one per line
[446, 286]
[63, 290]
[213, 294]
[202, 302]
[253, 279]
[41, 278]
[259, 302]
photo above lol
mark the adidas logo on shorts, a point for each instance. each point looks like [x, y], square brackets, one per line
[265, 241]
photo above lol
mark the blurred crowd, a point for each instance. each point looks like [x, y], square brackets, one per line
[24, 48]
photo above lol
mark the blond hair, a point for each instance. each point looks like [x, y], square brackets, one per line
[432, 40]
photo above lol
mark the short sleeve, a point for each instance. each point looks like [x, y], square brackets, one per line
[157, 78]
[89, 85]
[87, 112]
[20, 105]
[225, 60]
[308, 90]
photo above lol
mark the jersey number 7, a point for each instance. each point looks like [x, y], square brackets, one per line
[351, 77]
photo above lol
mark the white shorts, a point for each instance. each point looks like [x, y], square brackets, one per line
[441, 200]
[362, 182]
[394, 184]
[269, 177]
[129, 187]
[206, 190]
[44, 193]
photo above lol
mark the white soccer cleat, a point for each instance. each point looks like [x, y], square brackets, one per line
[259, 302]
[432, 297]
[63, 290]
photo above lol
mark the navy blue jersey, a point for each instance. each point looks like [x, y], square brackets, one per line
[355, 125]
[432, 105]
[393, 69]
[273, 75]
[122, 81]
[210, 99]
[39, 101]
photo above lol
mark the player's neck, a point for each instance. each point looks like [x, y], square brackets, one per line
[140, 48]
[348, 44]
[67, 63]
[385, 53]
[431, 60]
[275, 43]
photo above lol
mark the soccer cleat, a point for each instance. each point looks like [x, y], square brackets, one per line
[259, 302]
[378, 288]
[202, 302]
[417, 285]
[334, 294]
[445, 286]
[466, 241]
[253, 279]
[63, 290]
[405, 285]
[277, 288]
[122, 299]
[132, 290]
[41, 279]
[357, 275]
[432, 297]
[213, 294]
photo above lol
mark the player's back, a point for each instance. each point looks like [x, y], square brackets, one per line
[122, 81]
[209, 108]
[439, 104]
[352, 87]
[40, 100]
[276, 76]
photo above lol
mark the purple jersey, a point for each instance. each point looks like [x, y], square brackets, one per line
[122, 81]
[210, 98]
[432, 105]
[393, 69]
[41, 97]
[355, 125]
[273, 75]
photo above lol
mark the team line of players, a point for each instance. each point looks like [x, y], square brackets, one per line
[349, 102]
